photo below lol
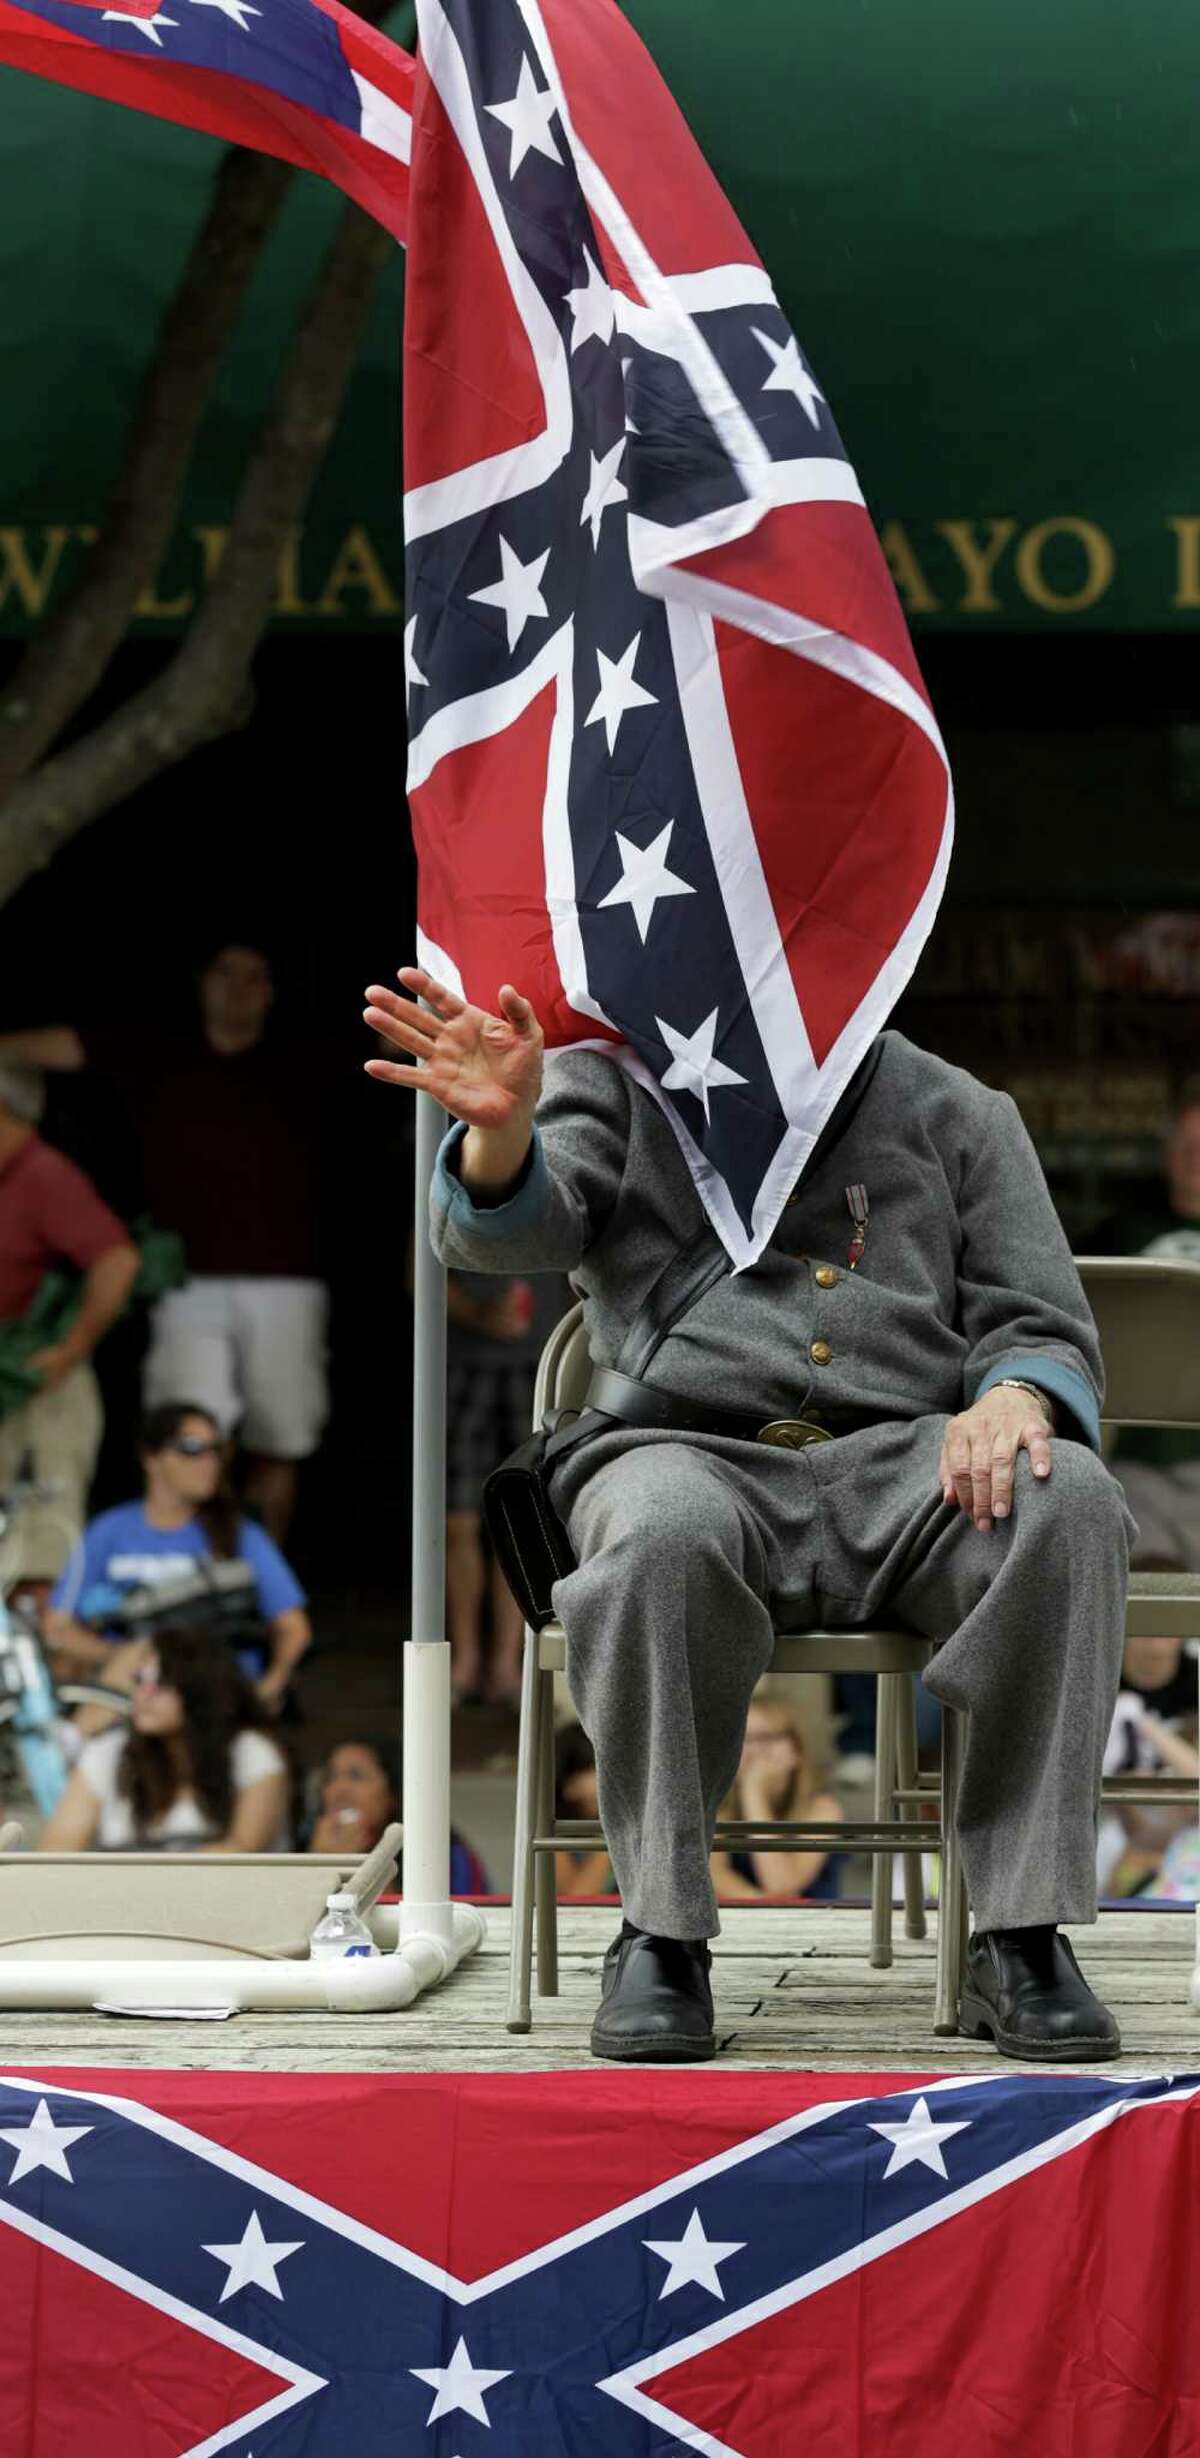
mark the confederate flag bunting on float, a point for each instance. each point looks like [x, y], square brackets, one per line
[597, 2266]
[672, 766]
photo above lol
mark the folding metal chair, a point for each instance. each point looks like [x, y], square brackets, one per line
[895, 1656]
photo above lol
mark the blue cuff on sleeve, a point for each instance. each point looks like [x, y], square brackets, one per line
[523, 1208]
[1060, 1381]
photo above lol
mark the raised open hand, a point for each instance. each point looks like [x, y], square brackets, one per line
[487, 1070]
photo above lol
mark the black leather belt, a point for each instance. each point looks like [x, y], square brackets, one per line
[638, 1403]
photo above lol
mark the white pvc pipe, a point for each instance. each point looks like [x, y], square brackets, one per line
[426, 1909]
[377, 1984]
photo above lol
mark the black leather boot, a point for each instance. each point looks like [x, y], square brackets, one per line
[656, 2001]
[1024, 1989]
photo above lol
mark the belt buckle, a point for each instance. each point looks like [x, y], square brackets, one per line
[793, 1433]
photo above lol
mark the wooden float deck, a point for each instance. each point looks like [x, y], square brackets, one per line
[794, 1988]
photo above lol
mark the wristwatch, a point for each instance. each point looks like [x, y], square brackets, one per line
[1012, 1382]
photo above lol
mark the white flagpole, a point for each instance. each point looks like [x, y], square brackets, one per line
[426, 1907]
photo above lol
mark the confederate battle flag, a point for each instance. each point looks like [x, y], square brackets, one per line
[597, 2266]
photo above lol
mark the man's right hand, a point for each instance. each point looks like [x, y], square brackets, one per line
[486, 1070]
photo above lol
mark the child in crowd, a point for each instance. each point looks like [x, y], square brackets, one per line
[587, 1871]
[778, 1779]
[360, 1795]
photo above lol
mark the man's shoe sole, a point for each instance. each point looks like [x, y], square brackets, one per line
[655, 2048]
[977, 2021]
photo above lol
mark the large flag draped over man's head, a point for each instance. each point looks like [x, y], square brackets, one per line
[672, 766]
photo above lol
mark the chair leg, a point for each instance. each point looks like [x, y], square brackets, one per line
[952, 1900]
[885, 1787]
[906, 1766]
[520, 1953]
[545, 1889]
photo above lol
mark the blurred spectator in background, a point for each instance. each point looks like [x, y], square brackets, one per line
[1154, 1731]
[231, 1123]
[186, 1518]
[195, 1772]
[1160, 1469]
[777, 1779]
[360, 1796]
[497, 1330]
[587, 1871]
[67, 1267]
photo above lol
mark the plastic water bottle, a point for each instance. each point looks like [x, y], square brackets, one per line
[342, 1933]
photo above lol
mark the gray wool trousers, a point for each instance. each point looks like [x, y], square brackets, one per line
[693, 1551]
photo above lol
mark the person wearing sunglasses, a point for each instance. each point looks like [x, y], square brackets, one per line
[186, 1515]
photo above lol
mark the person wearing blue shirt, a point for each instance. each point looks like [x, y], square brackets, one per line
[184, 1517]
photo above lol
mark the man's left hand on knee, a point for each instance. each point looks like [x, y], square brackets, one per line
[979, 1453]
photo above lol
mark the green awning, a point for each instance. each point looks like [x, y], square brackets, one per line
[984, 224]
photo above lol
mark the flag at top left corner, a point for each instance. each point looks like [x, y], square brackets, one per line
[303, 79]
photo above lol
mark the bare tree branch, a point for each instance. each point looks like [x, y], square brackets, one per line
[69, 653]
[204, 692]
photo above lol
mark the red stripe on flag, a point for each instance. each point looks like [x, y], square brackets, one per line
[630, 123]
[480, 865]
[848, 803]
[129, 8]
[478, 392]
[87, 2368]
[824, 563]
[227, 106]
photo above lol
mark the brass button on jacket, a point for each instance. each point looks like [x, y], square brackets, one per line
[825, 1276]
[820, 1352]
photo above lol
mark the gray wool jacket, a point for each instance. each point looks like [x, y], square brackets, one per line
[966, 1276]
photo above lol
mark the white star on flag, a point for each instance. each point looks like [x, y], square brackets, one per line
[528, 116]
[618, 691]
[789, 374]
[145, 25]
[42, 2144]
[239, 10]
[518, 591]
[412, 671]
[604, 488]
[459, 2384]
[693, 1068]
[591, 307]
[919, 2140]
[693, 2260]
[254, 2262]
[645, 878]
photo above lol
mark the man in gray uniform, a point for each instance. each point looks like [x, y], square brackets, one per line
[942, 1352]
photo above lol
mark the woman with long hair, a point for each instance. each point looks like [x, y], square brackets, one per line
[194, 1771]
[777, 1779]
